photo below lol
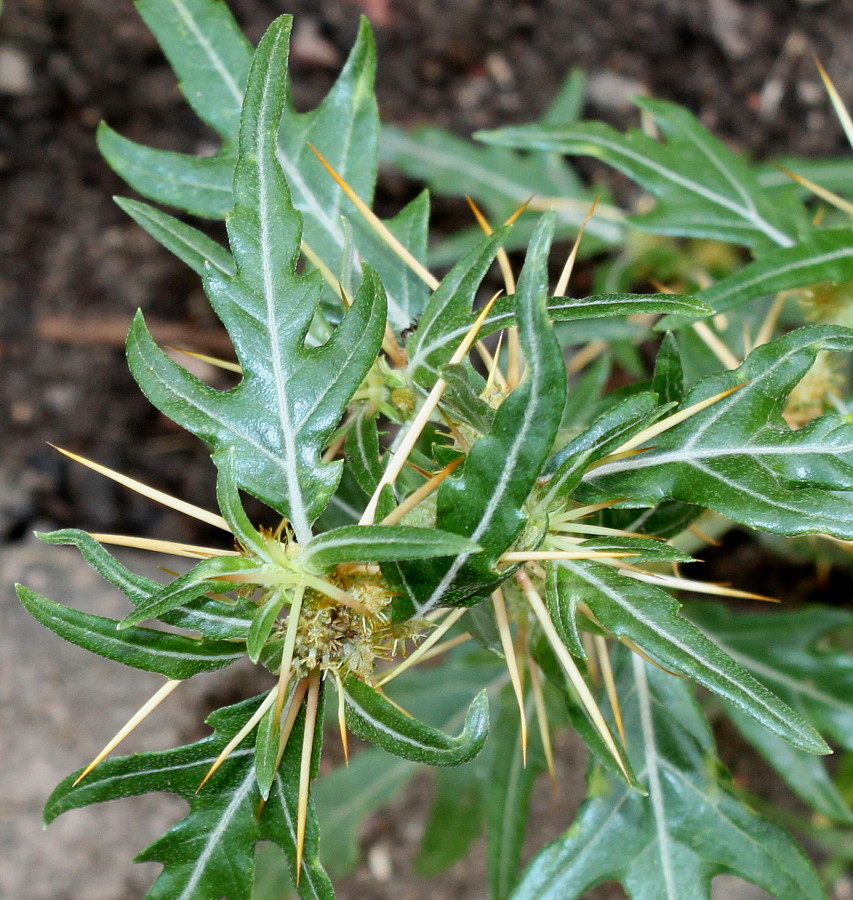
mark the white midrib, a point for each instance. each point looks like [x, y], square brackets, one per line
[215, 836]
[212, 55]
[830, 256]
[739, 189]
[644, 461]
[531, 410]
[636, 612]
[177, 654]
[718, 410]
[655, 788]
[306, 200]
[795, 685]
[496, 320]
[514, 191]
[292, 172]
[760, 223]
[296, 502]
[380, 726]
[201, 764]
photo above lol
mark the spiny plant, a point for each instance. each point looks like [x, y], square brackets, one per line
[440, 498]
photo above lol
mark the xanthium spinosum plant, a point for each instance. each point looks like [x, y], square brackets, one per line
[487, 506]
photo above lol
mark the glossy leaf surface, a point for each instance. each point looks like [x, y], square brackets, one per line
[690, 827]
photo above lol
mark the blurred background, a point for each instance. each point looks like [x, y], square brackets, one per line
[75, 268]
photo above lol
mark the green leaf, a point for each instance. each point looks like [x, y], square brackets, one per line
[607, 432]
[345, 130]
[791, 653]
[455, 819]
[279, 816]
[212, 618]
[510, 784]
[597, 306]
[291, 398]
[212, 60]
[668, 378]
[172, 655]
[443, 334]
[448, 317]
[739, 457]
[651, 618]
[381, 543]
[464, 387]
[703, 189]
[665, 521]
[480, 622]
[345, 797]
[209, 854]
[820, 256]
[406, 291]
[670, 844]
[262, 624]
[363, 462]
[210, 56]
[208, 575]
[190, 245]
[499, 180]
[198, 185]
[231, 507]
[485, 501]
[371, 717]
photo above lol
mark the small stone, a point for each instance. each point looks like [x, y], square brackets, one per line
[727, 25]
[16, 71]
[611, 91]
[500, 70]
[309, 47]
[379, 862]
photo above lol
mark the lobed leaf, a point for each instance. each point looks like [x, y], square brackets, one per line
[291, 397]
[212, 618]
[791, 653]
[702, 188]
[172, 655]
[688, 829]
[212, 60]
[651, 618]
[209, 855]
[739, 457]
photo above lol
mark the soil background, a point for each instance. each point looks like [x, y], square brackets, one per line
[74, 269]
